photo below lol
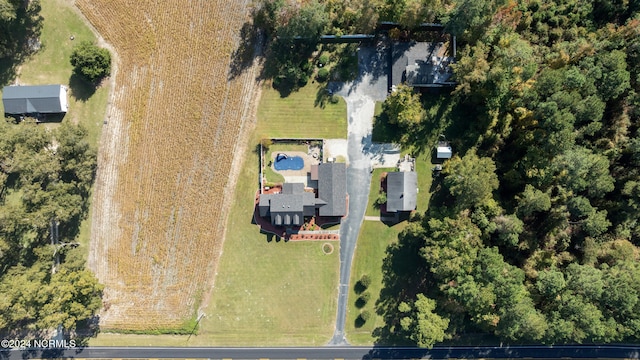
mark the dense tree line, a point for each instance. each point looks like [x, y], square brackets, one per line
[45, 178]
[532, 233]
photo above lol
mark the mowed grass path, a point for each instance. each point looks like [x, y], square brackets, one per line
[271, 292]
[298, 116]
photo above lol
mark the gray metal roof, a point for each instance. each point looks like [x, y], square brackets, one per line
[34, 99]
[332, 188]
[402, 191]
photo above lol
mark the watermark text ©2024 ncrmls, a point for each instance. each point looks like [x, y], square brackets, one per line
[36, 344]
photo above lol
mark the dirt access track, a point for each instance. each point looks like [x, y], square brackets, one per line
[169, 155]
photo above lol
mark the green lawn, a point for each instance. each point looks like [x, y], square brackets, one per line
[425, 178]
[50, 65]
[269, 292]
[372, 210]
[373, 240]
[298, 115]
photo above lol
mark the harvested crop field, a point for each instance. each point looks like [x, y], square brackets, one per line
[170, 152]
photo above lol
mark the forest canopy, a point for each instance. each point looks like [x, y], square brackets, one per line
[45, 180]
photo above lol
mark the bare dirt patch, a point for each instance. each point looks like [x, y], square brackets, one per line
[169, 155]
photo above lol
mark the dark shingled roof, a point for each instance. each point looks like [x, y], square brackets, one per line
[292, 188]
[413, 65]
[289, 207]
[332, 188]
[44, 99]
[402, 191]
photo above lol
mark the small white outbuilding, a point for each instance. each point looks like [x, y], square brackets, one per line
[444, 150]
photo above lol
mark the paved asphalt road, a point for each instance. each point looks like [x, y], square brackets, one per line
[337, 352]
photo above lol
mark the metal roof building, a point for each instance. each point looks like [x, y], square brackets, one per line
[402, 191]
[40, 99]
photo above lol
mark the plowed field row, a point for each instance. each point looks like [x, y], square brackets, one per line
[174, 129]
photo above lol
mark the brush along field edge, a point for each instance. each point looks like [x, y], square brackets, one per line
[169, 156]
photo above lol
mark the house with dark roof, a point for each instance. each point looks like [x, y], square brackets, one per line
[40, 99]
[289, 207]
[402, 191]
[294, 203]
[421, 64]
[332, 188]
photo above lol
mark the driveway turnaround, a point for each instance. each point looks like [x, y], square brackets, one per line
[360, 96]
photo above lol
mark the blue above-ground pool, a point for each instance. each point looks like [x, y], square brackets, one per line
[284, 162]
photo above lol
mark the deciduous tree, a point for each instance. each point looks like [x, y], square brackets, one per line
[425, 327]
[470, 179]
[91, 61]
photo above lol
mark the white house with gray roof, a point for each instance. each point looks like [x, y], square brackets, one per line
[39, 99]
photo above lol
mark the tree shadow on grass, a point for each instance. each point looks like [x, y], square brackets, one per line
[19, 41]
[325, 96]
[322, 97]
[8, 70]
[383, 131]
[404, 275]
[80, 88]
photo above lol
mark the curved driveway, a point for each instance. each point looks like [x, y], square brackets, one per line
[360, 95]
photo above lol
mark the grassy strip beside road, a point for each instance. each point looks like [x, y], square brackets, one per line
[298, 116]
[370, 252]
